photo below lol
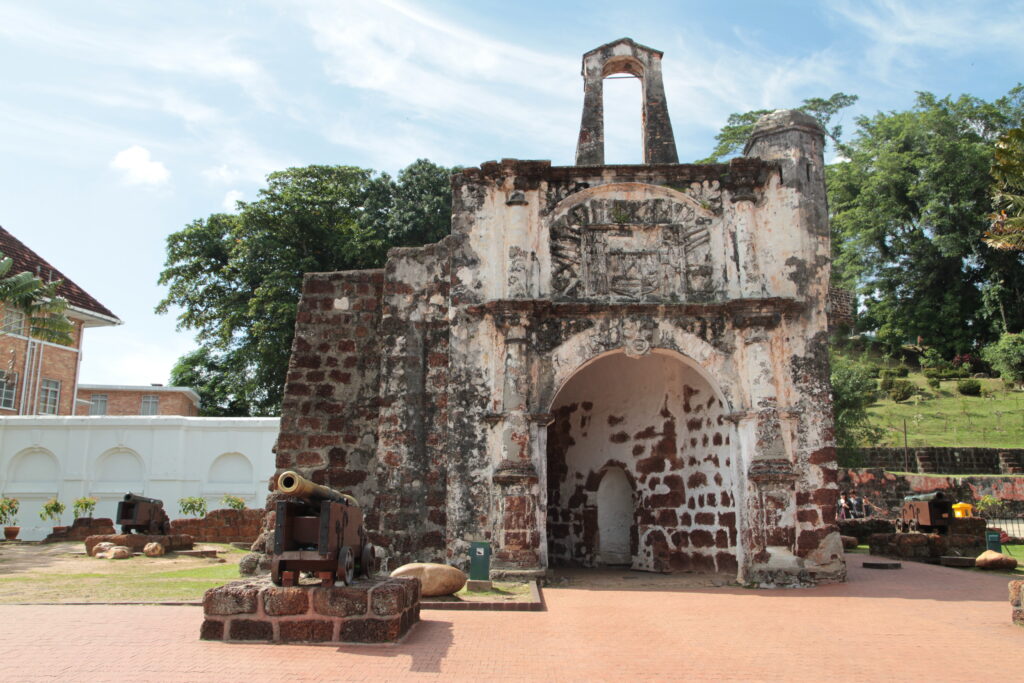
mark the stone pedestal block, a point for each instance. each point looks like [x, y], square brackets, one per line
[82, 528]
[369, 611]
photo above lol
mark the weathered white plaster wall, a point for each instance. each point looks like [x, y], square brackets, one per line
[104, 457]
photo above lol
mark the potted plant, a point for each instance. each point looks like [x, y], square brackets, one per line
[52, 510]
[9, 517]
[84, 507]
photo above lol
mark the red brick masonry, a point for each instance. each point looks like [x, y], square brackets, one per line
[222, 526]
[81, 529]
[369, 611]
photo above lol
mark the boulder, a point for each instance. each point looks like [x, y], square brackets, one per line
[118, 552]
[436, 579]
[849, 542]
[153, 550]
[990, 559]
[100, 548]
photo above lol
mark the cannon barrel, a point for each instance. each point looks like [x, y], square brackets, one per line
[135, 498]
[294, 484]
[926, 497]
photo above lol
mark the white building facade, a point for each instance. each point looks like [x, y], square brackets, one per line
[165, 457]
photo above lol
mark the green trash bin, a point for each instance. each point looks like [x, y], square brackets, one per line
[479, 560]
[992, 541]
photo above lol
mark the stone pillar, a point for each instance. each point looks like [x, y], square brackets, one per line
[519, 500]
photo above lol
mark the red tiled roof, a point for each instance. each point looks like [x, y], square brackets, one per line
[26, 259]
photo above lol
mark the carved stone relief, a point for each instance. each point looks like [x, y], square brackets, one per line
[634, 250]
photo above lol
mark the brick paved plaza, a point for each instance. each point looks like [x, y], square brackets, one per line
[918, 623]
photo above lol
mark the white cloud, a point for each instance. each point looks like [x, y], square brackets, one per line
[231, 197]
[194, 51]
[239, 159]
[902, 33]
[138, 168]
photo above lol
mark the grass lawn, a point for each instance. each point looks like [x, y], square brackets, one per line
[942, 417]
[54, 573]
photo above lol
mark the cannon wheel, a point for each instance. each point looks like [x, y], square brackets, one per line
[346, 566]
[366, 560]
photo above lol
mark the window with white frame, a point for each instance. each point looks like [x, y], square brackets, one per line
[98, 404]
[8, 388]
[150, 405]
[14, 322]
[49, 396]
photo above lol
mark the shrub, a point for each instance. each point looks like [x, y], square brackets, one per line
[233, 502]
[901, 371]
[84, 507]
[193, 505]
[1006, 357]
[8, 511]
[969, 387]
[902, 389]
[886, 383]
[52, 510]
[990, 507]
[967, 361]
[932, 359]
[934, 382]
[853, 390]
[873, 370]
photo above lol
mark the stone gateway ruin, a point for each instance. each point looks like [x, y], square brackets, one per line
[601, 365]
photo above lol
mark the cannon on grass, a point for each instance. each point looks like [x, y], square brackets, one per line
[320, 532]
[142, 514]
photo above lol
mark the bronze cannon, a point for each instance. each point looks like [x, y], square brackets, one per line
[320, 531]
[142, 514]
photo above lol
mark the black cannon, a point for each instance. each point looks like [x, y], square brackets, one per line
[927, 512]
[142, 514]
[320, 532]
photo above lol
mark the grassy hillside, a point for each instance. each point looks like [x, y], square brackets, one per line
[943, 417]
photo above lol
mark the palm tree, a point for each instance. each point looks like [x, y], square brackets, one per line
[1007, 228]
[38, 300]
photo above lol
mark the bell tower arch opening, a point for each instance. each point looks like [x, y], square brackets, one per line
[625, 57]
[640, 462]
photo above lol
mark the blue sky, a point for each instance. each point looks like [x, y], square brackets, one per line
[120, 122]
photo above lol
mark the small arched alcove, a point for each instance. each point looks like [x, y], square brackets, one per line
[231, 468]
[640, 449]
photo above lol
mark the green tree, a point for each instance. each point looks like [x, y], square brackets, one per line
[853, 390]
[906, 211]
[38, 300]
[734, 134]
[1006, 356]
[236, 278]
[1007, 228]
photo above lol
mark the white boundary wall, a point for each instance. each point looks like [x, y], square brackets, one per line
[165, 457]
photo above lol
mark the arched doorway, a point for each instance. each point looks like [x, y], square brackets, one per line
[615, 509]
[640, 453]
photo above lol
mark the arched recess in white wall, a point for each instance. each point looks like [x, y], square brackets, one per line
[230, 473]
[118, 471]
[231, 468]
[34, 469]
[33, 476]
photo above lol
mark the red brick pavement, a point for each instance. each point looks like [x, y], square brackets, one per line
[919, 623]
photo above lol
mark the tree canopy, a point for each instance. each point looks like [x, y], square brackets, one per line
[38, 301]
[1007, 229]
[907, 211]
[236, 278]
[734, 134]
